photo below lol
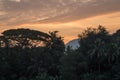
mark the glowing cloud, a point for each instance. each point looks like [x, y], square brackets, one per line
[16, 0]
[70, 15]
[47, 11]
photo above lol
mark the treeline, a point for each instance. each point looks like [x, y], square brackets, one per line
[33, 55]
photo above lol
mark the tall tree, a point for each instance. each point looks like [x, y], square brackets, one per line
[24, 37]
[27, 53]
[56, 48]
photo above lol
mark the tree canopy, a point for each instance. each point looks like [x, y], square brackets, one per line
[33, 55]
[97, 58]
[26, 54]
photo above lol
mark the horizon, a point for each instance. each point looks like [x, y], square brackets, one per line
[70, 18]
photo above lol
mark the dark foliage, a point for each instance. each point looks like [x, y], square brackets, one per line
[97, 58]
[33, 55]
[21, 58]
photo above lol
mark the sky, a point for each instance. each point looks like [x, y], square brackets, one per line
[69, 17]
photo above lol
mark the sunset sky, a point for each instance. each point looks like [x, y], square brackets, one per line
[70, 17]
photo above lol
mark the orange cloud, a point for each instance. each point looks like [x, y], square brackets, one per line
[70, 30]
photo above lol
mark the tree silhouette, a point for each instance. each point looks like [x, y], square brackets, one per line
[24, 37]
[33, 55]
[26, 53]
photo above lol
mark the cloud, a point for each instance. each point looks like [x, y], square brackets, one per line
[15, 0]
[13, 12]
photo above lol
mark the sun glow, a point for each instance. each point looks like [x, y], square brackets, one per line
[70, 30]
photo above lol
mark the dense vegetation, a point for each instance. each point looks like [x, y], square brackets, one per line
[33, 55]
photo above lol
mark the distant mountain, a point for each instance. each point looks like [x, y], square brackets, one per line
[73, 44]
